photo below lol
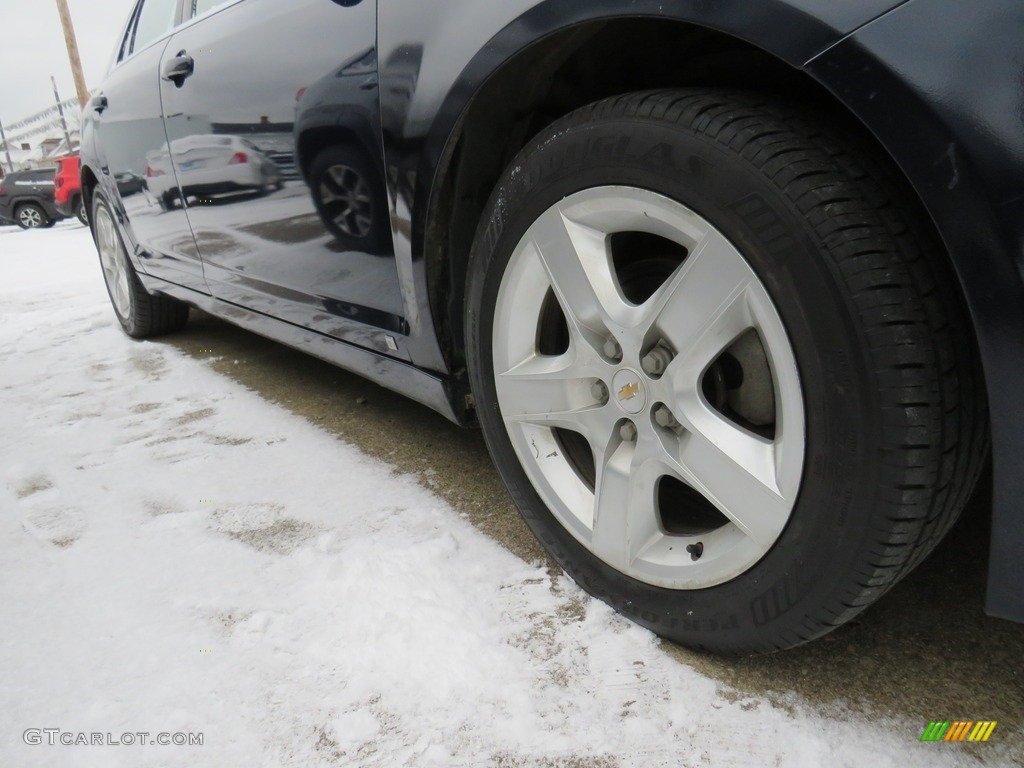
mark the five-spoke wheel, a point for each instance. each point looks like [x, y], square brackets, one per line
[721, 365]
[615, 386]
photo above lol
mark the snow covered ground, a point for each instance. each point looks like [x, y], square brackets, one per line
[178, 555]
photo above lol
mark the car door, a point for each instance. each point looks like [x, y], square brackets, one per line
[42, 188]
[127, 121]
[272, 118]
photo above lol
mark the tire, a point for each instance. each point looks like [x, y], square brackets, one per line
[168, 201]
[721, 365]
[80, 211]
[31, 216]
[350, 199]
[141, 314]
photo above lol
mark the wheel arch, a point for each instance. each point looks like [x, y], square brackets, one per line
[430, 72]
[562, 71]
[494, 121]
[314, 140]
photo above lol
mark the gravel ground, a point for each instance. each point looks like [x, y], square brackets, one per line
[926, 652]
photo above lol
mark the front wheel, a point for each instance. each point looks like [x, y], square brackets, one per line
[141, 314]
[720, 366]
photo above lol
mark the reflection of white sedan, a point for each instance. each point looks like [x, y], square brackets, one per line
[208, 165]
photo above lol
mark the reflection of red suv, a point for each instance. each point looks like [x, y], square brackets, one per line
[67, 188]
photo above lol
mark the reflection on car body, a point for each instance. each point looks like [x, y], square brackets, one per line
[334, 117]
[130, 183]
[208, 165]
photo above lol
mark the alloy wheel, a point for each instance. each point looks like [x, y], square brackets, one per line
[347, 198]
[30, 217]
[112, 257]
[648, 387]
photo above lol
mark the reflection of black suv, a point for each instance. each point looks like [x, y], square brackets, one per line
[26, 198]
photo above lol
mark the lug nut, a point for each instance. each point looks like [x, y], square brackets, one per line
[663, 418]
[628, 432]
[612, 350]
[599, 391]
[656, 361]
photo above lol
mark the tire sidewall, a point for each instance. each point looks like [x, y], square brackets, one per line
[129, 323]
[831, 519]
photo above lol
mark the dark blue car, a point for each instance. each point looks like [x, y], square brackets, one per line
[733, 289]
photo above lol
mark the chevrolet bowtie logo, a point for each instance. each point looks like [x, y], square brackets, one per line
[629, 391]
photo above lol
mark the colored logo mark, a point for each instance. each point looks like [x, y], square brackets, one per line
[629, 391]
[958, 730]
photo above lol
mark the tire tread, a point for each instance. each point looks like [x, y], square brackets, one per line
[859, 209]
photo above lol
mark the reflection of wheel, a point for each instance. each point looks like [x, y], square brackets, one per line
[168, 201]
[140, 314]
[271, 180]
[31, 216]
[720, 366]
[350, 199]
[80, 213]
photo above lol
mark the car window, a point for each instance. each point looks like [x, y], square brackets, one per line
[156, 18]
[199, 7]
[124, 49]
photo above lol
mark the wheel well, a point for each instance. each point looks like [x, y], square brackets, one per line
[557, 75]
[315, 140]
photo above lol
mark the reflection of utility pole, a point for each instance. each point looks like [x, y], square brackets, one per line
[60, 111]
[7, 149]
[72, 44]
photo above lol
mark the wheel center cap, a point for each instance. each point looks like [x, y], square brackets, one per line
[629, 391]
